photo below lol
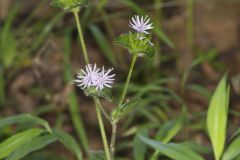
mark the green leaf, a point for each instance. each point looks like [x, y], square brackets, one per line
[69, 142]
[171, 128]
[97, 155]
[8, 43]
[33, 145]
[139, 149]
[12, 143]
[23, 118]
[122, 109]
[217, 117]
[105, 93]
[68, 4]
[136, 43]
[172, 150]
[233, 150]
[103, 44]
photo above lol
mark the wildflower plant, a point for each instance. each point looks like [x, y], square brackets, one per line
[98, 82]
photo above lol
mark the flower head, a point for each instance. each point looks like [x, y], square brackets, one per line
[94, 77]
[104, 79]
[141, 24]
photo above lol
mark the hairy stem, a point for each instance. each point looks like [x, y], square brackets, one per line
[75, 12]
[102, 129]
[113, 138]
[128, 80]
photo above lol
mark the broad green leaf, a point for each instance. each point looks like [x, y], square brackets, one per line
[233, 150]
[172, 150]
[197, 147]
[12, 143]
[139, 148]
[68, 4]
[2, 87]
[217, 117]
[69, 142]
[31, 146]
[103, 44]
[23, 118]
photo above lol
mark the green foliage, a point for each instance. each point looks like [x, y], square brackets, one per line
[105, 93]
[122, 109]
[217, 117]
[25, 142]
[233, 150]
[97, 155]
[24, 118]
[68, 142]
[103, 44]
[33, 145]
[172, 150]
[136, 43]
[139, 148]
[68, 5]
[72, 97]
[12, 143]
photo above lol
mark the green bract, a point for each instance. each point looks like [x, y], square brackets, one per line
[68, 4]
[105, 93]
[136, 43]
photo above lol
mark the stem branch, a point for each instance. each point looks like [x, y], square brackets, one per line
[75, 12]
[102, 129]
[128, 80]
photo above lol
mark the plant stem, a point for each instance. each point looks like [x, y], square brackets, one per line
[101, 126]
[113, 138]
[128, 80]
[75, 12]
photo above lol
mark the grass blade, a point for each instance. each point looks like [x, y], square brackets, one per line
[103, 43]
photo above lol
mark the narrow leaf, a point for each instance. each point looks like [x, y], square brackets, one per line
[233, 150]
[34, 145]
[69, 142]
[172, 150]
[139, 148]
[103, 43]
[24, 118]
[217, 117]
[12, 143]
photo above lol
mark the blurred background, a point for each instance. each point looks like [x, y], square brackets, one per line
[196, 42]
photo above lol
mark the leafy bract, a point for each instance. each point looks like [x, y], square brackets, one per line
[217, 117]
[105, 93]
[68, 4]
[136, 43]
